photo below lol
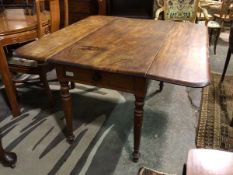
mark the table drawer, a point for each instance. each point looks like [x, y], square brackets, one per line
[97, 78]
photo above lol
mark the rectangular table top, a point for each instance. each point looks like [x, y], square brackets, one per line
[161, 50]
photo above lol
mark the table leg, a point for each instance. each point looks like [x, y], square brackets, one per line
[138, 118]
[9, 86]
[67, 107]
[7, 158]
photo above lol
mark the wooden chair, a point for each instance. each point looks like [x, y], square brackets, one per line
[216, 21]
[229, 53]
[25, 66]
[177, 10]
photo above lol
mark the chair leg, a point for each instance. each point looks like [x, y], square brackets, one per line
[161, 84]
[231, 124]
[15, 89]
[72, 85]
[210, 35]
[226, 64]
[43, 79]
[216, 39]
[7, 158]
[7, 81]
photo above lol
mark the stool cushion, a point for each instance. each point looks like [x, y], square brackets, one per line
[213, 24]
[22, 62]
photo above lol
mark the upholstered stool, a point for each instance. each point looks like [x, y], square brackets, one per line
[214, 32]
[209, 162]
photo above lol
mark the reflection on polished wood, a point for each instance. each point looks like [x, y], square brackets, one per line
[15, 21]
[118, 53]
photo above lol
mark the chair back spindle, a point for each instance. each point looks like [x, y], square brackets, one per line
[54, 7]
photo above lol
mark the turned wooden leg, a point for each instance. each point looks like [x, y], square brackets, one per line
[72, 85]
[67, 107]
[226, 64]
[7, 158]
[9, 86]
[43, 79]
[161, 84]
[138, 118]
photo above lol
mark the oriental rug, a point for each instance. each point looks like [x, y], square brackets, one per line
[214, 129]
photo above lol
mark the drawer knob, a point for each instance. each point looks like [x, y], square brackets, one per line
[97, 76]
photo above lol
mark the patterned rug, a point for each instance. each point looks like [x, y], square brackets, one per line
[214, 130]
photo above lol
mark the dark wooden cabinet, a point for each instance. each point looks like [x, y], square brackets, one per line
[79, 9]
[131, 8]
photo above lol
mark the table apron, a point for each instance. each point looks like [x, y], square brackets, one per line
[116, 81]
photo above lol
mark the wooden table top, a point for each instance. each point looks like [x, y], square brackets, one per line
[160, 50]
[15, 20]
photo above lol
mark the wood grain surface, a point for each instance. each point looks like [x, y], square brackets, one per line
[125, 45]
[50, 45]
[160, 50]
[183, 59]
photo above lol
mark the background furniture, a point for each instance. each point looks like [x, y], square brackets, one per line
[7, 158]
[16, 27]
[176, 10]
[80, 9]
[215, 22]
[131, 8]
[229, 53]
[205, 4]
[209, 162]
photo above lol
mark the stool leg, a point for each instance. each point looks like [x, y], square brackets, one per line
[210, 35]
[161, 84]
[216, 40]
[226, 64]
